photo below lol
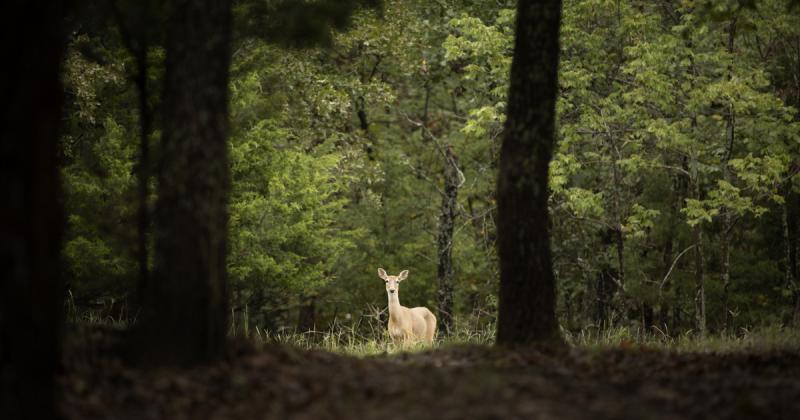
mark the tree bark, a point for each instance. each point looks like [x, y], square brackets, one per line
[789, 216]
[135, 38]
[605, 290]
[699, 278]
[725, 249]
[444, 272]
[527, 284]
[647, 317]
[677, 198]
[31, 219]
[699, 265]
[307, 316]
[794, 231]
[682, 185]
[143, 173]
[619, 237]
[185, 320]
[663, 310]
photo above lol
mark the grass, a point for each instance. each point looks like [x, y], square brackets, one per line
[347, 340]
[358, 339]
[97, 317]
[368, 336]
[758, 339]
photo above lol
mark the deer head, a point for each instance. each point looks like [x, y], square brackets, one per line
[392, 282]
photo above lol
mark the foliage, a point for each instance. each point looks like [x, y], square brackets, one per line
[337, 163]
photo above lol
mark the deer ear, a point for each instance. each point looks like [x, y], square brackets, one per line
[382, 273]
[403, 275]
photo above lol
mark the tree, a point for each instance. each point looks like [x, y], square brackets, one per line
[527, 284]
[137, 32]
[31, 220]
[444, 271]
[185, 318]
[338, 160]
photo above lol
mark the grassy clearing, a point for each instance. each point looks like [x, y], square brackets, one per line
[356, 340]
[347, 340]
[368, 336]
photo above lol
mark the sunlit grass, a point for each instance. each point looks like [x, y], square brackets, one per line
[363, 339]
[342, 340]
[347, 340]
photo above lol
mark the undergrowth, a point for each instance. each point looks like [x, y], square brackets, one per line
[368, 336]
[763, 338]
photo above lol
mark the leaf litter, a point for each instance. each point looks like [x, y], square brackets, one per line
[457, 382]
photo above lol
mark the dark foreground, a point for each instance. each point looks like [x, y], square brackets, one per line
[453, 383]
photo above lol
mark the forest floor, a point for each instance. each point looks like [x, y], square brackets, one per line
[454, 382]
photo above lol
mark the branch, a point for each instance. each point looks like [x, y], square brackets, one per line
[664, 282]
[422, 175]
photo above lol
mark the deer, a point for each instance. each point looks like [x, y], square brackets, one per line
[406, 325]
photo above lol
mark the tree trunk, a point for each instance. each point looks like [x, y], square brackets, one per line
[527, 284]
[725, 258]
[647, 317]
[143, 173]
[793, 213]
[619, 238]
[600, 314]
[677, 305]
[794, 231]
[134, 36]
[682, 186]
[307, 316]
[605, 292]
[789, 216]
[186, 316]
[669, 240]
[31, 220]
[699, 269]
[444, 272]
[699, 278]
[724, 240]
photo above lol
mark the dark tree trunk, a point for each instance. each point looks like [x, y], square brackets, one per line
[794, 232]
[143, 173]
[699, 265]
[793, 213]
[307, 317]
[605, 292]
[727, 220]
[447, 218]
[663, 310]
[647, 317]
[31, 294]
[527, 284]
[682, 186]
[619, 237]
[677, 305]
[185, 320]
[134, 36]
[789, 216]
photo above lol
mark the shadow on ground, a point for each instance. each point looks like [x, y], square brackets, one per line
[277, 382]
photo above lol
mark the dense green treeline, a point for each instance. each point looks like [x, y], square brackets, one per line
[674, 195]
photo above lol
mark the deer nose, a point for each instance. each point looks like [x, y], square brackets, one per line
[391, 290]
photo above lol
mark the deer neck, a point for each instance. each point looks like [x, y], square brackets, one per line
[394, 304]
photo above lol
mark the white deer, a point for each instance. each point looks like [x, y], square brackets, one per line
[406, 325]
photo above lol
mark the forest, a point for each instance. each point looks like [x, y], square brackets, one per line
[211, 207]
